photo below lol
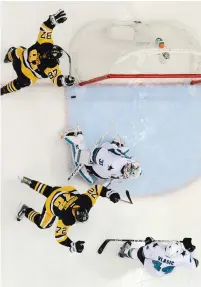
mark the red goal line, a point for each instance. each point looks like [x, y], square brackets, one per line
[145, 76]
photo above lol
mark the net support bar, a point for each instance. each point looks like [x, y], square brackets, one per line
[144, 76]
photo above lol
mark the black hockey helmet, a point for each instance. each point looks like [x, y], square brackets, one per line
[81, 214]
[50, 51]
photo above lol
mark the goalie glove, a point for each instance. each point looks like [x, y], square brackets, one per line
[65, 81]
[77, 246]
[113, 196]
[58, 18]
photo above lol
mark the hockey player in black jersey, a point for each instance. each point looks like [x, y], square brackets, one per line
[65, 204]
[41, 60]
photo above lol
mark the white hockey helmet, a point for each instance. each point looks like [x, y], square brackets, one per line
[173, 248]
[132, 169]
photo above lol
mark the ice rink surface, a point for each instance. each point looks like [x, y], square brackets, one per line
[32, 120]
[160, 125]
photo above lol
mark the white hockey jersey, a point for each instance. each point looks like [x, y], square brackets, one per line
[105, 162]
[158, 263]
[109, 161]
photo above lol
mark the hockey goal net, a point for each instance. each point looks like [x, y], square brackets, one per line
[118, 53]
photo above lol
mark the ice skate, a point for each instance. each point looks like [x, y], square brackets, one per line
[6, 59]
[21, 212]
[123, 252]
[72, 132]
[25, 180]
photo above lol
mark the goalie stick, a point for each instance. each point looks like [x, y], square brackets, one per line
[103, 245]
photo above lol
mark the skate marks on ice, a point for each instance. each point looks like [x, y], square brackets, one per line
[160, 125]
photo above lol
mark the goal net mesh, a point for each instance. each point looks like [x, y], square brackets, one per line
[112, 53]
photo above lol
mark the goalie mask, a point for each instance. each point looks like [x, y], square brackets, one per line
[131, 169]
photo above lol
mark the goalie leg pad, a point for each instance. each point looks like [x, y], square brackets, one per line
[78, 155]
[81, 156]
[86, 176]
[75, 138]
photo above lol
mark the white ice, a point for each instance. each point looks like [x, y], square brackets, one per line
[32, 120]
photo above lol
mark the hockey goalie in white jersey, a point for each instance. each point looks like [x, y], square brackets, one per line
[106, 162]
[160, 259]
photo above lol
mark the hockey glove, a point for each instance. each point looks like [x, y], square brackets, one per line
[149, 240]
[77, 246]
[58, 18]
[113, 196]
[67, 81]
[187, 242]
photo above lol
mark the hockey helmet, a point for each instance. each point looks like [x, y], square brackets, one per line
[55, 52]
[50, 51]
[131, 169]
[173, 248]
[81, 214]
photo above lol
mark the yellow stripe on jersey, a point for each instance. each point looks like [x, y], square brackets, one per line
[36, 187]
[62, 238]
[10, 56]
[12, 85]
[34, 215]
[30, 214]
[46, 219]
[25, 70]
[8, 88]
[44, 187]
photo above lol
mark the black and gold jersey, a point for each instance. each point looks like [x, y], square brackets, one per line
[35, 67]
[63, 202]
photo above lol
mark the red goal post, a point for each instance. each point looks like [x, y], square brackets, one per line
[191, 79]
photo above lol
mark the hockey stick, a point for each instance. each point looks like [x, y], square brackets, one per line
[69, 58]
[80, 165]
[129, 197]
[103, 245]
[127, 193]
[126, 201]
